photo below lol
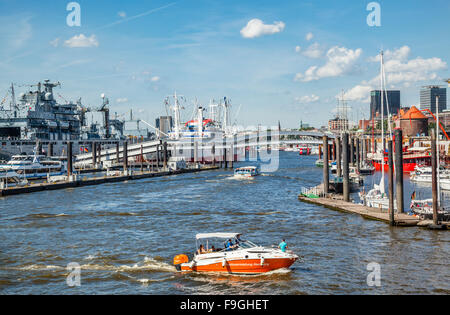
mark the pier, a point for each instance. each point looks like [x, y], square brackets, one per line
[96, 181]
[335, 202]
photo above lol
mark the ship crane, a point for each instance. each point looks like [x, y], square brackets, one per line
[104, 108]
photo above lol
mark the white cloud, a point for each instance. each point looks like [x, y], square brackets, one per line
[307, 99]
[313, 51]
[309, 36]
[55, 42]
[122, 14]
[340, 61]
[81, 41]
[360, 92]
[122, 100]
[256, 28]
[298, 48]
[399, 71]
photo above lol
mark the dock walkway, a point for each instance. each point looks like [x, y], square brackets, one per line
[336, 203]
[96, 181]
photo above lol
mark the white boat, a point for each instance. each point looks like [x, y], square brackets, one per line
[243, 257]
[34, 166]
[9, 177]
[376, 198]
[424, 208]
[424, 175]
[246, 172]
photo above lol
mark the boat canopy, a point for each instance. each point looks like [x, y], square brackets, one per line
[216, 235]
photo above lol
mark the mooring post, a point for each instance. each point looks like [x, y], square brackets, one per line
[142, 158]
[117, 153]
[125, 158]
[399, 169]
[94, 155]
[157, 156]
[213, 154]
[69, 160]
[434, 177]
[50, 149]
[338, 157]
[345, 161]
[334, 150]
[99, 154]
[326, 179]
[165, 155]
[225, 154]
[320, 151]
[357, 155]
[352, 154]
[391, 184]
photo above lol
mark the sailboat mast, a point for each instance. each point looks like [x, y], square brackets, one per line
[437, 152]
[382, 124]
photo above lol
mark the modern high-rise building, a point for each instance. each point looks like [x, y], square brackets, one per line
[164, 124]
[428, 98]
[392, 99]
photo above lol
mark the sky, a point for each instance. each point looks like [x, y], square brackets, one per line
[284, 61]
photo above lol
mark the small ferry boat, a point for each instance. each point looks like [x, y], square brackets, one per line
[34, 166]
[246, 172]
[243, 257]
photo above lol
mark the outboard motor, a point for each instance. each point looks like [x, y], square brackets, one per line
[180, 259]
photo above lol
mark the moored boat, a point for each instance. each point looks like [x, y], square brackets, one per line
[243, 257]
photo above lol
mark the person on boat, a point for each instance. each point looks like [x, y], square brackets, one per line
[212, 250]
[201, 250]
[283, 245]
[229, 245]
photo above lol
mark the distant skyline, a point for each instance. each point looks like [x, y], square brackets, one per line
[281, 61]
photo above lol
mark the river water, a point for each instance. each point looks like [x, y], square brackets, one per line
[125, 235]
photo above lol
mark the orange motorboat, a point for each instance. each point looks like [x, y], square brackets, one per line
[238, 256]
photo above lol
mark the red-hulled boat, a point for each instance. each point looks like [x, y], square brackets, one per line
[410, 161]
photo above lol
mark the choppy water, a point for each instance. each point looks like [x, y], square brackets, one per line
[124, 236]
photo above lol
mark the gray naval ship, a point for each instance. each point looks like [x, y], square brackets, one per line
[37, 119]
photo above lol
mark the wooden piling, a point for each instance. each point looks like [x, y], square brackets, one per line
[50, 149]
[157, 155]
[345, 161]
[94, 154]
[358, 156]
[142, 158]
[225, 154]
[434, 177]
[165, 157]
[326, 179]
[391, 184]
[334, 150]
[213, 154]
[338, 156]
[352, 153]
[99, 154]
[117, 152]
[69, 159]
[125, 157]
[399, 169]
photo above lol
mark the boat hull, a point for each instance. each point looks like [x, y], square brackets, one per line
[242, 266]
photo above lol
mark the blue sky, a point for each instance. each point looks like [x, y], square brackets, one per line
[138, 52]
